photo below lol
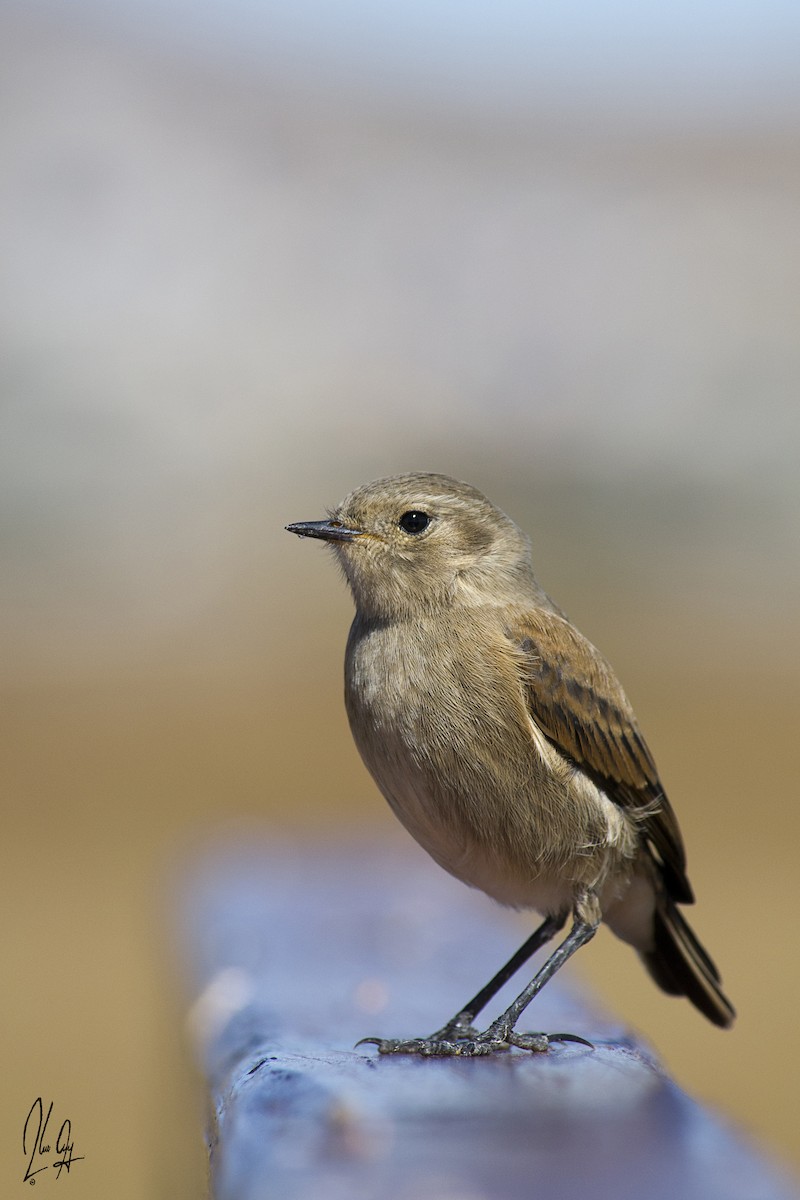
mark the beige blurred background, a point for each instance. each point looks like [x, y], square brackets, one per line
[234, 286]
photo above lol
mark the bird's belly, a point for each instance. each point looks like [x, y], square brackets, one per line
[531, 850]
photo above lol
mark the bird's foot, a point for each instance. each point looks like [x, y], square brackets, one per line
[539, 1042]
[430, 1047]
[467, 1043]
[459, 1028]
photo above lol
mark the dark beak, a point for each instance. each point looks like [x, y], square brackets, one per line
[329, 531]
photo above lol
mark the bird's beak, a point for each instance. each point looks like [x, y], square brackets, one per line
[329, 531]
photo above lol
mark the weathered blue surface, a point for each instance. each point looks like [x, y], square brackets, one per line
[295, 956]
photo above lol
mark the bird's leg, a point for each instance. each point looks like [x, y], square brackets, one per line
[461, 1024]
[459, 1028]
[500, 1035]
[501, 1032]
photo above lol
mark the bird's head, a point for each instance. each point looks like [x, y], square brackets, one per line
[419, 542]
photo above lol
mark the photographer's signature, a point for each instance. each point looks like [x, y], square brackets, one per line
[36, 1144]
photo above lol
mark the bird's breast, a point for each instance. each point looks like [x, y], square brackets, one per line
[438, 713]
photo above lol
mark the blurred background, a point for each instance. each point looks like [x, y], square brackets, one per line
[255, 254]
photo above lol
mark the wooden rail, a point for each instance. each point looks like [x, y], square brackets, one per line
[295, 955]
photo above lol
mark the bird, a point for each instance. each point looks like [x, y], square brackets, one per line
[504, 743]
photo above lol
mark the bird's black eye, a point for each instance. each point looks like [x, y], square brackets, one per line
[414, 521]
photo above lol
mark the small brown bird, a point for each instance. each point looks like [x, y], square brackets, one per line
[504, 743]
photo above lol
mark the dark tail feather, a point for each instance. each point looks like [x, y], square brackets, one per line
[681, 967]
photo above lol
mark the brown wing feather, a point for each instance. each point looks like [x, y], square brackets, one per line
[577, 701]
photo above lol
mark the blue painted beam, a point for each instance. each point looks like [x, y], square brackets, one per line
[294, 955]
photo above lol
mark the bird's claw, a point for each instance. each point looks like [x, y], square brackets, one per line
[570, 1037]
[469, 1044]
[539, 1042]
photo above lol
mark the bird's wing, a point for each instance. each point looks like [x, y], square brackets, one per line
[577, 701]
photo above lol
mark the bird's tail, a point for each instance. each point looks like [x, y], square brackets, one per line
[681, 966]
